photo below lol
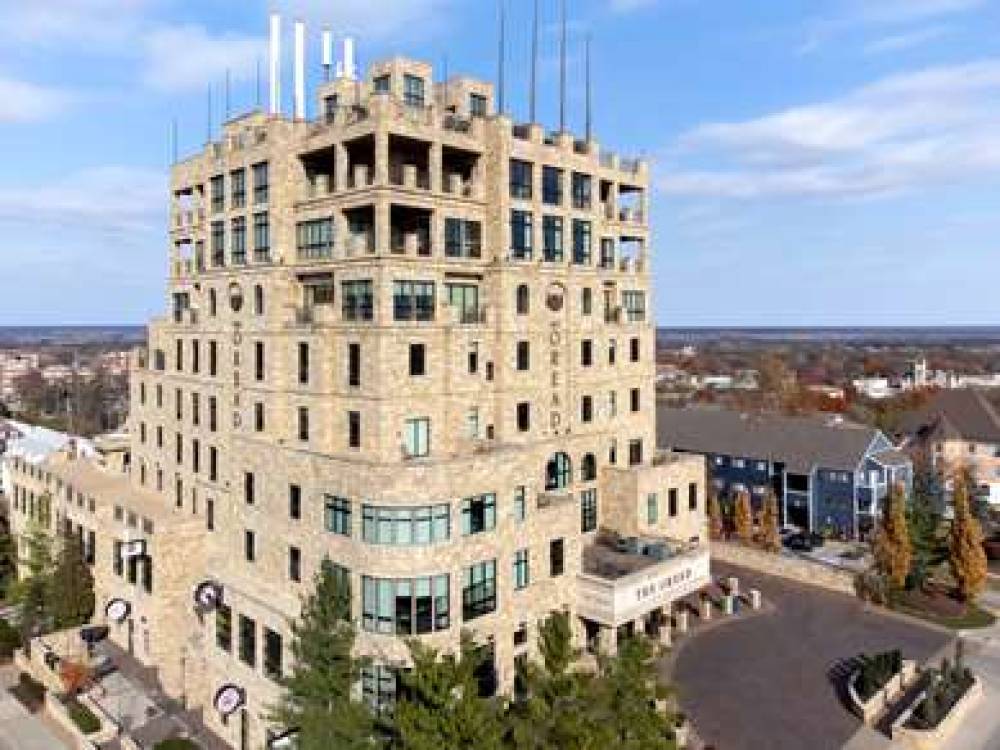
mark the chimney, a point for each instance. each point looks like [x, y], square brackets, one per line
[300, 70]
[275, 64]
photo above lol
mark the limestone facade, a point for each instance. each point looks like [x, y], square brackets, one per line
[407, 336]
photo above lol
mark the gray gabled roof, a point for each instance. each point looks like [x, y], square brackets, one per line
[962, 413]
[801, 443]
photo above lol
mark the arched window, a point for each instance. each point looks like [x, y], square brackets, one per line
[588, 468]
[258, 300]
[523, 299]
[557, 472]
[213, 302]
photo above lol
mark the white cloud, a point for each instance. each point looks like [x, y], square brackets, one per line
[21, 101]
[185, 57]
[902, 133]
[112, 201]
[94, 23]
[906, 40]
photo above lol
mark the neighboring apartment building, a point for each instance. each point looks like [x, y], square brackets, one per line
[959, 429]
[409, 338]
[33, 444]
[826, 473]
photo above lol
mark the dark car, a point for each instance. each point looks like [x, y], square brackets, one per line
[102, 666]
[799, 542]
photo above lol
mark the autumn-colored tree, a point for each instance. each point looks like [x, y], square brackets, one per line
[743, 518]
[714, 516]
[74, 676]
[967, 557]
[770, 537]
[893, 551]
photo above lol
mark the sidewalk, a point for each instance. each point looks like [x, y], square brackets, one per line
[19, 729]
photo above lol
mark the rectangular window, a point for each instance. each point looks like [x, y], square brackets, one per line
[213, 358]
[552, 187]
[238, 240]
[479, 590]
[478, 106]
[588, 510]
[303, 363]
[354, 429]
[260, 183]
[294, 502]
[249, 546]
[520, 503]
[634, 395]
[224, 627]
[582, 189]
[521, 570]
[634, 304]
[418, 526]
[479, 514]
[586, 353]
[261, 236]
[405, 606]
[258, 360]
[633, 347]
[462, 238]
[672, 502]
[358, 300]
[418, 362]
[294, 564]
[581, 242]
[520, 179]
[523, 356]
[272, 654]
[652, 508]
[634, 452]
[382, 84]
[354, 364]
[210, 515]
[248, 641]
[693, 496]
[259, 421]
[413, 90]
[238, 187]
[304, 423]
[417, 437]
[413, 300]
[217, 190]
[523, 416]
[337, 515]
[607, 253]
[315, 238]
[248, 487]
[521, 234]
[586, 409]
[552, 239]
[557, 563]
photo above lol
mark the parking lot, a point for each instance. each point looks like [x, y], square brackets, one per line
[765, 682]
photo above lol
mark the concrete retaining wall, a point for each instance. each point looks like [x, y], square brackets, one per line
[810, 572]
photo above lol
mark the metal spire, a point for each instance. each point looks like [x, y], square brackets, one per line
[534, 66]
[562, 71]
[501, 57]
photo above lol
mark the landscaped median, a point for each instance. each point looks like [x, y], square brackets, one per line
[939, 709]
[877, 682]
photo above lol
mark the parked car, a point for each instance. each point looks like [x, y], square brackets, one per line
[102, 666]
[799, 542]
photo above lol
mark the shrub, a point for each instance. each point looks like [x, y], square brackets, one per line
[872, 587]
[875, 671]
[10, 639]
[83, 717]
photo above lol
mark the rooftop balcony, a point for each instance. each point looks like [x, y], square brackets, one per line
[625, 577]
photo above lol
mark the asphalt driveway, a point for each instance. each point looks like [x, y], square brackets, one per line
[766, 682]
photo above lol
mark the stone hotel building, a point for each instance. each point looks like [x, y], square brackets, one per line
[409, 339]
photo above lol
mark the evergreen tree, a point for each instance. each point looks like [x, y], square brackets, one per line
[744, 518]
[770, 535]
[72, 585]
[967, 558]
[558, 710]
[924, 520]
[892, 539]
[627, 691]
[31, 593]
[318, 698]
[440, 706]
[8, 563]
[715, 527]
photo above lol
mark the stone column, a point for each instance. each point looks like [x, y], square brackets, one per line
[733, 583]
[706, 610]
[665, 626]
[381, 157]
[435, 165]
[341, 168]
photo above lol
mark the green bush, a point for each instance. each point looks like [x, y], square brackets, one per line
[876, 671]
[176, 743]
[10, 639]
[83, 717]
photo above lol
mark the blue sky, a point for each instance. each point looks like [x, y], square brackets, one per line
[815, 161]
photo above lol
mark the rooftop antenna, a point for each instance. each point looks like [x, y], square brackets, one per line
[257, 84]
[327, 54]
[562, 70]
[275, 64]
[501, 56]
[590, 103]
[300, 71]
[228, 84]
[208, 134]
[534, 65]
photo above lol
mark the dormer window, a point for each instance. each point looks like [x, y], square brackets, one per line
[413, 90]
[477, 105]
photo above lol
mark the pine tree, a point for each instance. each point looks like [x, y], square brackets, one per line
[440, 706]
[318, 698]
[627, 690]
[892, 550]
[8, 562]
[967, 558]
[770, 535]
[744, 518]
[31, 593]
[72, 585]
[715, 527]
[924, 520]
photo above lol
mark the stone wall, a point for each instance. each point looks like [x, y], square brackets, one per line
[810, 572]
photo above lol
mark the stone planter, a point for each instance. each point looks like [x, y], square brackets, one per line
[57, 711]
[869, 711]
[929, 739]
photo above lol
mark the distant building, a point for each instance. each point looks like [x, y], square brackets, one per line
[959, 429]
[33, 444]
[876, 388]
[826, 473]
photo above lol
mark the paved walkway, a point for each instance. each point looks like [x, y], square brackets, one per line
[19, 730]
